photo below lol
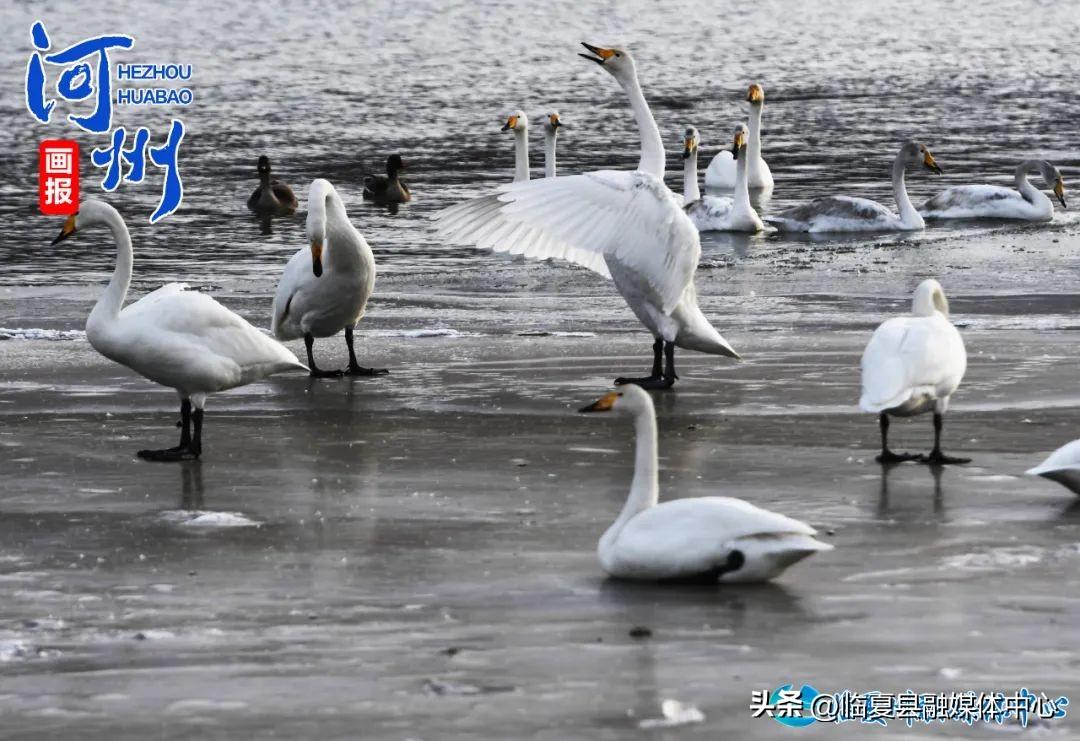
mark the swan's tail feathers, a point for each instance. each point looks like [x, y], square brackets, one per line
[868, 403]
[720, 346]
[769, 555]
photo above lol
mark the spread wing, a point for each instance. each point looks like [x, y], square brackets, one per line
[630, 218]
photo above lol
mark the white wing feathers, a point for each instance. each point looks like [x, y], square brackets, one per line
[907, 354]
[627, 217]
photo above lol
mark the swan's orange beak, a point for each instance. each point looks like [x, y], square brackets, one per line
[689, 146]
[756, 94]
[67, 230]
[555, 122]
[316, 258]
[599, 51]
[603, 404]
[1059, 191]
[929, 162]
[511, 123]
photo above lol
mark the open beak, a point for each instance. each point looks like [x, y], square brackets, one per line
[66, 231]
[511, 123]
[928, 161]
[1059, 191]
[602, 54]
[603, 404]
[316, 258]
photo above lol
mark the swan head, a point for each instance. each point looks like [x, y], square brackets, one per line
[628, 399]
[516, 122]
[614, 60]
[90, 212]
[552, 123]
[755, 94]
[691, 141]
[319, 192]
[264, 165]
[913, 152]
[1053, 179]
[929, 297]
[738, 144]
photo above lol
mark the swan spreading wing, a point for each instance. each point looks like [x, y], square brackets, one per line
[630, 218]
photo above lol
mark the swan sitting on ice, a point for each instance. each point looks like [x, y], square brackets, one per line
[174, 336]
[847, 214]
[626, 226]
[718, 213]
[1027, 202]
[1062, 466]
[325, 288]
[703, 538]
[912, 365]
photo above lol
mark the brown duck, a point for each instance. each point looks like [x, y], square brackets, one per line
[387, 188]
[272, 197]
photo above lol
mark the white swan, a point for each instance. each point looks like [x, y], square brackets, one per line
[913, 364]
[846, 214]
[552, 124]
[174, 336]
[718, 213]
[714, 538]
[723, 170]
[325, 288]
[624, 225]
[1062, 466]
[995, 202]
[518, 123]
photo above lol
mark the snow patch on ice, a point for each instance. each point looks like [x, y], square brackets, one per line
[674, 714]
[36, 333]
[412, 334]
[201, 519]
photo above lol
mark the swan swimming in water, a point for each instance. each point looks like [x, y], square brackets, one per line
[718, 213]
[912, 365]
[552, 124]
[847, 214]
[272, 197]
[518, 123]
[707, 538]
[1062, 466]
[388, 188]
[325, 288]
[626, 226]
[723, 170]
[1027, 202]
[174, 336]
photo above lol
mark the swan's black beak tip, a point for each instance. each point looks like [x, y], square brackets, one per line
[316, 267]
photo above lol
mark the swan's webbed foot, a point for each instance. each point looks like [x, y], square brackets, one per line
[650, 382]
[179, 453]
[358, 370]
[937, 458]
[320, 373]
[887, 457]
[663, 375]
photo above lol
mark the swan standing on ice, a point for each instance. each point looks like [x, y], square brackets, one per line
[174, 336]
[1027, 202]
[723, 170]
[712, 538]
[1062, 466]
[325, 288]
[847, 214]
[518, 123]
[623, 225]
[913, 364]
[719, 213]
[272, 197]
[552, 124]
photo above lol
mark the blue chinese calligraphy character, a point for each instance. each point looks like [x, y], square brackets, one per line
[113, 157]
[172, 193]
[35, 77]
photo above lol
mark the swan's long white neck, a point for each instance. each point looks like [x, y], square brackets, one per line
[690, 184]
[521, 154]
[328, 219]
[1030, 193]
[741, 197]
[753, 145]
[551, 137]
[645, 488]
[909, 217]
[652, 147]
[112, 300]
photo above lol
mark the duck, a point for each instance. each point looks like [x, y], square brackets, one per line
[1026, 203]
[912, 365]
[175, 336]
[712, 539]
[723, 169]
[624, 225]
[518, 123]
[325, 287]
[272, 197]
[718, 213]
[847, 214]
[1062, 466]
[552, 124]
[388, 188]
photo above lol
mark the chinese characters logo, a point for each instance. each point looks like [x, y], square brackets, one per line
[58, 177]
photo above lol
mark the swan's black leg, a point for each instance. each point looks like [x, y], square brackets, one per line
[309, 341]
[887, 456]
[196, 441]
[657, 374]
[354, 368]
[186, 450]
[936, 457]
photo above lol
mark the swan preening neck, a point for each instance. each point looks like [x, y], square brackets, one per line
[621, 66]
[327, 226]
[518, 123]
[691, 143]
[551, 136]
[929, 298]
